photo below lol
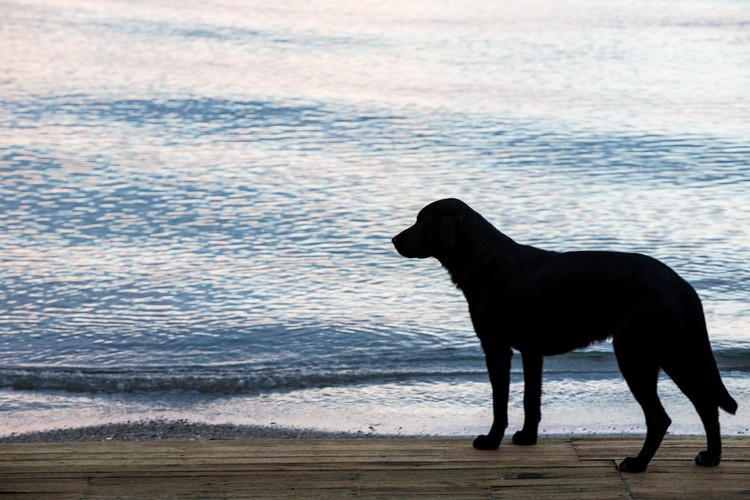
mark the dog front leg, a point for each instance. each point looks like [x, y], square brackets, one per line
[498, 366]
[532, 399]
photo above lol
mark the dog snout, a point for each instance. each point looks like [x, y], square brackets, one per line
[398, 242]
[408, 244]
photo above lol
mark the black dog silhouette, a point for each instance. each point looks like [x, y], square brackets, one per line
[543, 303]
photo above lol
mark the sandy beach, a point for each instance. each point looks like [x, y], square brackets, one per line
[172, 430]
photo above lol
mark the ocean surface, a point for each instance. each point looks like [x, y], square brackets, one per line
[197, 200]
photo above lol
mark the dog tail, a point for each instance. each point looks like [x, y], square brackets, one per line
[725, 401]
[692, 303]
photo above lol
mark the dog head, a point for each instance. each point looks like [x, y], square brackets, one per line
[434, 233]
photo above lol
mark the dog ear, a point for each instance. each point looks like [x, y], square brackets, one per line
[447, 232]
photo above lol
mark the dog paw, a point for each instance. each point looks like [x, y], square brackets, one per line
[632, 464]
[706, 459]
[486, 443]
[524, 438]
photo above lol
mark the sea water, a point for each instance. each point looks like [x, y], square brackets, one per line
[197, 200]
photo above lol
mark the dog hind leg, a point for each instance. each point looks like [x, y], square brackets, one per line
[641, 375]
[700, 393]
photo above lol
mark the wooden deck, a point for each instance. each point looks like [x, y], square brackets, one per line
[403, 467]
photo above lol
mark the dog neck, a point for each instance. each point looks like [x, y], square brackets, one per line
[476, 243]
[465, 264]
[458, 271]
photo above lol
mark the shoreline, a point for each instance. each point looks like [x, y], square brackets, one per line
[185, 430]
[178, 430]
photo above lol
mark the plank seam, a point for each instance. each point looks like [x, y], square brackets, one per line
[624, 481]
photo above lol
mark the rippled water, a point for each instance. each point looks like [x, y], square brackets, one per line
[197, 202]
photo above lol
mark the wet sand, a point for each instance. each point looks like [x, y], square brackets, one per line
[173, 430]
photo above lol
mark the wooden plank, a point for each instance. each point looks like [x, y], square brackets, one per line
[675, 484]
[673, 448]
[340, 446]
[556, 467]
[464, 455]
[115, 451]
[43, 485]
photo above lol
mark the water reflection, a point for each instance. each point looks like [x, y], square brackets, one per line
[173, 181]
